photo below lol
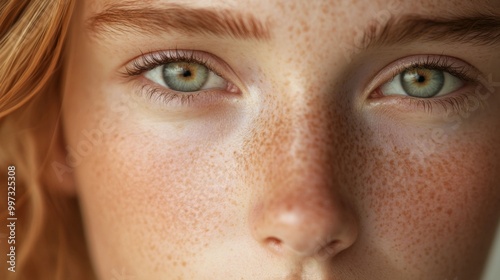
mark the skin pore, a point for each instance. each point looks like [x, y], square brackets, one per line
[301, 168]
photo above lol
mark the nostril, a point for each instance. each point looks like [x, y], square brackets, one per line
[330, 246]
[329, 249]
[274, 243]
[303, 228]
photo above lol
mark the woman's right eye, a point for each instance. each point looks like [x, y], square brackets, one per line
[185, 76]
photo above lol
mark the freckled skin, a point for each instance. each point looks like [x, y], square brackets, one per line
[298, 178]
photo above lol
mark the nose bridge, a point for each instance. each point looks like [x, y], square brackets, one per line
[305, 183]
[308, 148]
[297, 143]
[306, 134]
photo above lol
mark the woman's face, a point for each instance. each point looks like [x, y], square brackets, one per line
[285, 139]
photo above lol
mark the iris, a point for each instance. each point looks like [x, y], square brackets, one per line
[185, 76]
[422, 82]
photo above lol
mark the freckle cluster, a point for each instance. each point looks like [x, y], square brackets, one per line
[419, 203]
[415, 205]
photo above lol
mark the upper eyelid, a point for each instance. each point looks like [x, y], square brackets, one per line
[152, 60]
[462, 71]
[137, 65]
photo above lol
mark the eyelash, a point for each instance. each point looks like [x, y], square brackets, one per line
[147, 62]
[441, 63]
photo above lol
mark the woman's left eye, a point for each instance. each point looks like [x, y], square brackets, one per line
[421, 82]
[185, 76]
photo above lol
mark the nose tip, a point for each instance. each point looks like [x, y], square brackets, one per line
[308, 228]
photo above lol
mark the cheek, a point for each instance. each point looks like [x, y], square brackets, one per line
[153, 200]
[433, 204]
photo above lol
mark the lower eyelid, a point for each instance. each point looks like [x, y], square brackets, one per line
[457, 102]
[167, 98]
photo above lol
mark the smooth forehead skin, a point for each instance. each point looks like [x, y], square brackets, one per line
[297, 177]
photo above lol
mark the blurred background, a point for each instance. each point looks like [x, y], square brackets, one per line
[493, 267]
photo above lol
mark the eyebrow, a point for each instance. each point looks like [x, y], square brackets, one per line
[120, 18]
[480, 30]
[175, 18]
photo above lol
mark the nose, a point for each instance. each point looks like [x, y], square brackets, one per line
[303, 217]
[300, 203]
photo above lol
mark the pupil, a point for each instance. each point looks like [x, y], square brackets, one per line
[186, 73]
[421, 79]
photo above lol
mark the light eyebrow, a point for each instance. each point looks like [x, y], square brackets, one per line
[481, 30]
[121, 18]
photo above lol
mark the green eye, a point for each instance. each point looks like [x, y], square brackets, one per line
[185, 76]
[422, 82]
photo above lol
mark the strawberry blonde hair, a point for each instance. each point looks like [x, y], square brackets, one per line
[49, 238]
